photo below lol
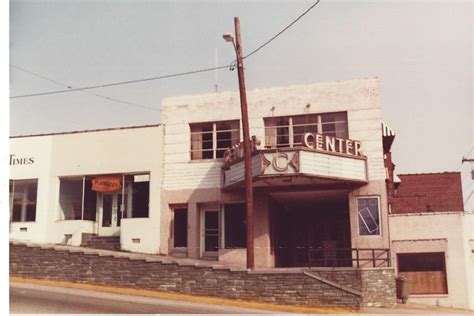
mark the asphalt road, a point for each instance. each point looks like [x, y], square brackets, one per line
[28, 299]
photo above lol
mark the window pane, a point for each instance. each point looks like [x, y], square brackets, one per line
[335, 124]
[70, 198]
[140, 199]
[303, 124]
[18, 197]
[368, 209]
[90, 202]
[31, 202]
[180, 227]
[235, 226]
[201, 139]
[24, 200]
[211, 231]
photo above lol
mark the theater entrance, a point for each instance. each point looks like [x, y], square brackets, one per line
[311, 226]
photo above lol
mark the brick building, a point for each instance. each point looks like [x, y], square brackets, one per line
[432, 238]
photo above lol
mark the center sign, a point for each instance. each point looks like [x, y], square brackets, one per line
[332, 144]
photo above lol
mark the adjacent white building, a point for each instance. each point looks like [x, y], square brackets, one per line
[66, 187]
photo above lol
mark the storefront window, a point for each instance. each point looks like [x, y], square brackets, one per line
[289, 131]
[211, 140]
[90, 201]
[140, 195]
[78, 200]
[369, 215]
[70, 198]
[23, 195]
[235, 228]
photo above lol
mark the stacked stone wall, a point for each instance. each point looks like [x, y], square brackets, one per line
[290, 287]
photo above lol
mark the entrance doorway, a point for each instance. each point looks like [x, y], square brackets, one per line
[210, 232]
[311, 221]
[110, 213]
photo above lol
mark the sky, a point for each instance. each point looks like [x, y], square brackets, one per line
[421, 52]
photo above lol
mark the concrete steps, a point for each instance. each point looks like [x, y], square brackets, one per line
[103, 242]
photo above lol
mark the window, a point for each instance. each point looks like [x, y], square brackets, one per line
[235, 226]
[426, 271]
[369, 215]
[23, 195]
[288, 131]
[77, 201]
[211, 140]
[140, 189]
[180, 227]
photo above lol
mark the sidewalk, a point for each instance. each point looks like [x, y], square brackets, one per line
[412, 308]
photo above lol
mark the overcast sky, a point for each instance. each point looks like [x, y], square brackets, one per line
[420, 51]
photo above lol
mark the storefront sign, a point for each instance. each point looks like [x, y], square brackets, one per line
[332, 144]
[107, 183]
[14, 160]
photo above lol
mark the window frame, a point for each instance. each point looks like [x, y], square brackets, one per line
[23, 214]
[215, 131]
[379, 215]
[317, 121]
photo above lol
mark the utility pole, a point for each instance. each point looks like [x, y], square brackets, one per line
[247, 148]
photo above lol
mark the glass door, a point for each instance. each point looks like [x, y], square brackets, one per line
[110, 214]
[210, 232]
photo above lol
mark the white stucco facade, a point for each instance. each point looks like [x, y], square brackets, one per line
[196, 182]
[450, 233]
[95, 153]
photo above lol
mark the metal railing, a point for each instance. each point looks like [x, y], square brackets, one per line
[302, 256]
[337, 257]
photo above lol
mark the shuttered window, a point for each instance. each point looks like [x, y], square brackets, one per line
[426, 271]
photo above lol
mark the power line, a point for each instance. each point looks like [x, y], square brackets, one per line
[84, 91]
[282, 31]
[70, 89]
[120, 83]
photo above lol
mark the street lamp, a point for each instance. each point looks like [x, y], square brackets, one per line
[247, 146]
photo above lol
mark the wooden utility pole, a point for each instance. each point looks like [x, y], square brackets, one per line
[247, 148]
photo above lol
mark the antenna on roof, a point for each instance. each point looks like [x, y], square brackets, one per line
[215, 71]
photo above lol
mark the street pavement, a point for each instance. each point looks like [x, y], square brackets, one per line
[32, 299]
[28, 298]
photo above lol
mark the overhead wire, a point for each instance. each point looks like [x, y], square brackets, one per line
[83, 91]
[119, 83]
[230, 66]
[282, 31]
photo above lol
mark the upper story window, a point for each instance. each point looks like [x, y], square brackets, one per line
[288, 131]
[211, 140]
[23, 200]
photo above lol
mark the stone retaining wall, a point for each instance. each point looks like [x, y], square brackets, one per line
[350, 288]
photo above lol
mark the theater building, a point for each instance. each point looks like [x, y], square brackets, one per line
[67, 187]
[318, 171]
